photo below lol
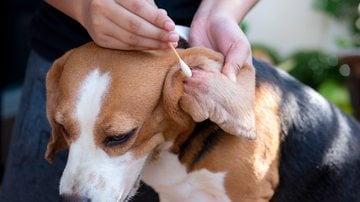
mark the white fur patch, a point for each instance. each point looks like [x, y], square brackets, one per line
[170, 179]
[90, 172]
[183, 31]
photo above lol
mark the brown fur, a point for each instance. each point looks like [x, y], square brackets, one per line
[57, 140]
[243, 159]
[147, 92]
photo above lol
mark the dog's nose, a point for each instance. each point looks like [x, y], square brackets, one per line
[73, 198]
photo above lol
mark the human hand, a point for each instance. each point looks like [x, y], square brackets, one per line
[128, 24]
[209, 94]
[223, 34]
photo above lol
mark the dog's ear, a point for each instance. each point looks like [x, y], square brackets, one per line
[57, 141]
[209, 94]
[172, 93]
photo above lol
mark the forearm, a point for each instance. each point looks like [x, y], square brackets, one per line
[230, 8]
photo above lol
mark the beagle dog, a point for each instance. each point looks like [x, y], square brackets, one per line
[127, 116]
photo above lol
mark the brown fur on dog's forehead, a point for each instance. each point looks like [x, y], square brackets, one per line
[137, 79]
[135, 75]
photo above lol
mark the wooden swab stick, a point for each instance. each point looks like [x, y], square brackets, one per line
[184, 67]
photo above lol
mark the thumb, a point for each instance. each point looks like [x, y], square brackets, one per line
[233, 63]
[230, 70]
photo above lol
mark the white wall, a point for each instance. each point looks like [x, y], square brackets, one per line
[288, 25]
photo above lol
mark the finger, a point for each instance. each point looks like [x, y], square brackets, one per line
[132, 23]
[132, 41]
[237, 56]
[151, 2]
[138, 41]
[114, 43]
[107, 41]
[149, 11]
[196, 38]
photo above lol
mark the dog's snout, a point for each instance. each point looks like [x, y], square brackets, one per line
[73, 198]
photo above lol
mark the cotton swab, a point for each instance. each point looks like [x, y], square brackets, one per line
[184, 67]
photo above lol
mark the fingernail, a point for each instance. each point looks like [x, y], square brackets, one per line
[173, 37]
[169, 25]
[163, 11]
[174, 44]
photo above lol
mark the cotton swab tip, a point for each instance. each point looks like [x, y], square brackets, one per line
[185, 68]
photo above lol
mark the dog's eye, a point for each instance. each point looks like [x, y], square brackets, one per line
[118, 139]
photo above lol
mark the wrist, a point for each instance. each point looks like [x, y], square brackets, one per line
[228, 9]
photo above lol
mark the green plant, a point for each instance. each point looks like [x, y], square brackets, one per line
[337, 93]
[313, 67]
[321, 71]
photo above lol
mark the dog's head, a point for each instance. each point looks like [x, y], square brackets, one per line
[112, 109]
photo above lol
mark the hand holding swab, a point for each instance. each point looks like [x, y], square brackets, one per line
[184, 67]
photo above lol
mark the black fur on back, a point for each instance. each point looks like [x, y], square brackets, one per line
[320, 145]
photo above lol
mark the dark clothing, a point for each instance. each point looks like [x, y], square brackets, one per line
[28, 176]
[53, 32]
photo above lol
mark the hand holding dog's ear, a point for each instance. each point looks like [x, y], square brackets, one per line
[209, 94]
[223, 34]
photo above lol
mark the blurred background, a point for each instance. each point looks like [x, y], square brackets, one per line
[317, 41]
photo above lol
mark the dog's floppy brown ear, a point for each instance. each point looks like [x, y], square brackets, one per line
[57, 141]
[209, 94]
[172, 92]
